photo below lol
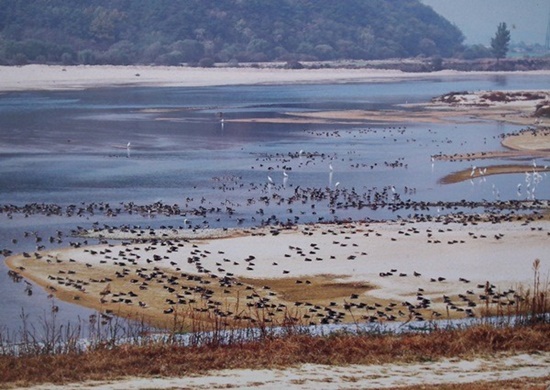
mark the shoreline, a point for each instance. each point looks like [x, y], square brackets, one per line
[57, 77]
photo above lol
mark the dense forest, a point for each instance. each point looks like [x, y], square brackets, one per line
[171, 32]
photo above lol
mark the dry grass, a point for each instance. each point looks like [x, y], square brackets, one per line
[171, 360]
[40, 361]
[314, 289]
[213, 301]
[515, 384]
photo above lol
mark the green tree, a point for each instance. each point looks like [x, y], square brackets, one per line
[105, 23]
[175, 31]
[500, 42]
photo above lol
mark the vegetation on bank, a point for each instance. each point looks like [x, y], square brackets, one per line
[171, 32]
[340, 349]
[54, 354]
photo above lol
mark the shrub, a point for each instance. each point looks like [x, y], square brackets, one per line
[206, 62]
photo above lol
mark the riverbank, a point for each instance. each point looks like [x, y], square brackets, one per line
[54, 77]
[43, 77]
[500, 371]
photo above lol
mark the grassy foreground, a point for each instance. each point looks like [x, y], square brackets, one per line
[165, 359]
[57, 357]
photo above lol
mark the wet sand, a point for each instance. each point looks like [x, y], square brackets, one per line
[529, 140]
[312, 274]
[352, 117]
[481, 172]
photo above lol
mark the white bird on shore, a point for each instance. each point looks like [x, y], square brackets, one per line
[285, 174]
[330, 167]
[269, 179]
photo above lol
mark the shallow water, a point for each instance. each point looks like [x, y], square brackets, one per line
[70, 148]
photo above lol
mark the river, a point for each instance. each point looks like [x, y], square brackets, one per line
[70, 148]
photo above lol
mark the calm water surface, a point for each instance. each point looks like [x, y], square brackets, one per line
[70, 148]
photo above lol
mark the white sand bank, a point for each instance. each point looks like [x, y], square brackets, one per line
[45, 77]
[312, 376]
[42, 77]
[378, 248]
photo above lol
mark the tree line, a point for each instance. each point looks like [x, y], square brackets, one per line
[172, 32]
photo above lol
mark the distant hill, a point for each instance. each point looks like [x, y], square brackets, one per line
[170, 32]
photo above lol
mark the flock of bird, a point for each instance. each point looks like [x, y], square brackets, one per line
[158, 273]
[211, 288]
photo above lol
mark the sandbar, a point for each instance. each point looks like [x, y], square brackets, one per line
[57, 77]
[54, 77]
[482, 172]
[310, 274]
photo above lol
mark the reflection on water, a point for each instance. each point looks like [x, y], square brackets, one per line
[500, 80]
[112, 147]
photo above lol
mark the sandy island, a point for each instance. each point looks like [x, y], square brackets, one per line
[307, 274]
